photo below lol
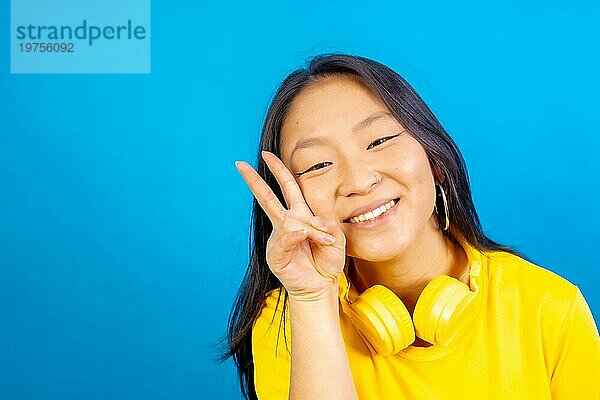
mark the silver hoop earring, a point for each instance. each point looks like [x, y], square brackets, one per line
[447, 223]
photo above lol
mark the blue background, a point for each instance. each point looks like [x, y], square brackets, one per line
[124, 224]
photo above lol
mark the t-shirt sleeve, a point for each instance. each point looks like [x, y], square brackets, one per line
[577, 371]
[272, 359]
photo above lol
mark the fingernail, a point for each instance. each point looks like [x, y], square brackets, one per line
[328, 238]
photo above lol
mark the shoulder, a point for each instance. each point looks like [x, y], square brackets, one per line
[538, 301]
[273, 305]
[271, 348]
[272, 326]
[513, 274]
[521, 290]
[552, 311]
[518, 284]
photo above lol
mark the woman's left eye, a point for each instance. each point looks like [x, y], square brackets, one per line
[381, 140]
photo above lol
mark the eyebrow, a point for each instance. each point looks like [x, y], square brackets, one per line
[311, 141]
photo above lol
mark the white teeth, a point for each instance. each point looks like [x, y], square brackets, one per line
[374, 213]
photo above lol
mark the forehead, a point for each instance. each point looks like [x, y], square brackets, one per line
[328, 108]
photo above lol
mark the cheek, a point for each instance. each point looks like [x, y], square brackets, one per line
[425, 191]
[319, 201]
[415, 171]
[413, 164]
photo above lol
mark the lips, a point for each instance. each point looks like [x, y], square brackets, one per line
[369, 207]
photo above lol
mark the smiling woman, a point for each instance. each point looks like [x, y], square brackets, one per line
[365, 226]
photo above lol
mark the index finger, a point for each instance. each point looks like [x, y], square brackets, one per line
[263, 193]
[289, 187]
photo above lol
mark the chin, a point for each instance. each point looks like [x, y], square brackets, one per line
[377, 252]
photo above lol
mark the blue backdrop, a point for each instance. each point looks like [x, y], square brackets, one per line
[124, 224]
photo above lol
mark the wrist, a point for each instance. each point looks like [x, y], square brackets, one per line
[328, 294]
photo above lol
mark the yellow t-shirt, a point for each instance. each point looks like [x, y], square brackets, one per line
[534, 338]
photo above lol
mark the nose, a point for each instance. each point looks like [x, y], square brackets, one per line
[357, 180]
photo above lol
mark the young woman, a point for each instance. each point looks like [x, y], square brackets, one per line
[370, 276]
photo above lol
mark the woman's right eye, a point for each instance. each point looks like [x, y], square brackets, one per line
[313, 168]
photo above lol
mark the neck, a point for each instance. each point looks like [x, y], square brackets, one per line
[431, 254]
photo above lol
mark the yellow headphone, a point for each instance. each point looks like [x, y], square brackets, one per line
[445, 309]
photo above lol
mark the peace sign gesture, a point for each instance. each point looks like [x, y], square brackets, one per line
[300, 252]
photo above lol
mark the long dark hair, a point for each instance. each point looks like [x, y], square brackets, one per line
[410, 110]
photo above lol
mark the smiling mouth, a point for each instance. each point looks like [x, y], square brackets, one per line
[373, 215]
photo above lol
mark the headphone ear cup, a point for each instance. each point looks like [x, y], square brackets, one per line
[443, 310]
[382, 318]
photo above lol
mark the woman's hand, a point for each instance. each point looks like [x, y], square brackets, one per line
[298, 252]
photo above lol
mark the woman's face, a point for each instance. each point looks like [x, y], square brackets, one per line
[338, 172]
